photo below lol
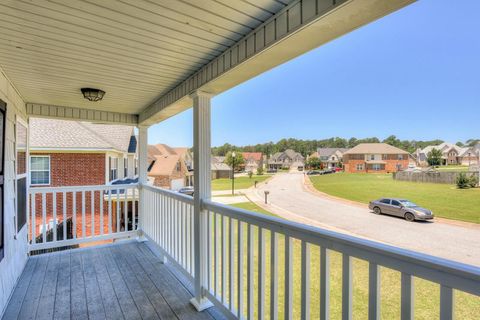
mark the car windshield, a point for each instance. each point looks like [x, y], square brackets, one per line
[407, 203]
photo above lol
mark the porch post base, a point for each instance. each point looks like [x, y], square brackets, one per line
[201, 305]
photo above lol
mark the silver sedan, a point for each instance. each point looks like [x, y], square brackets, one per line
[400, 208]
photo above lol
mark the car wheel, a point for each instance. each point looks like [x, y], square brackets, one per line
[377, 210]
[409, 217]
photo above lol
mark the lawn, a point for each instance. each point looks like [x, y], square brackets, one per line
[427, 294]
[452, 168]
[444, 200]
[240, 182]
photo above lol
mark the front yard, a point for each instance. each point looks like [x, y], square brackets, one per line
[427, 294]
[444, 200]
[240, 182]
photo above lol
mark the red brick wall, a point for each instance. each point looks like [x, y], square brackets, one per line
[76, 169]
[390, 166]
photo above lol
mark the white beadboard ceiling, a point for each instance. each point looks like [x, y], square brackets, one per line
[135, 50]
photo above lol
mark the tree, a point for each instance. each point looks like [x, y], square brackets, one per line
[459, 143]
[314, 163]
[259, 171]
[239, 161]
[250, 174]
[434, 157]
[463, 182]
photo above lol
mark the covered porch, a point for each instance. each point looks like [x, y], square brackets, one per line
[154, 60]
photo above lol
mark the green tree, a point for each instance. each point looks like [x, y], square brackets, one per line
[238, 161]
[463, 182]
[314, 163]
[259, 171]
[434, 157]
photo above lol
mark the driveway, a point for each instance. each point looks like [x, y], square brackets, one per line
[289, 198]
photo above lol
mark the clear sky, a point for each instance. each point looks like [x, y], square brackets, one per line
[414, 74]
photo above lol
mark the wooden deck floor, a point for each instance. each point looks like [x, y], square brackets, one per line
[120, 281]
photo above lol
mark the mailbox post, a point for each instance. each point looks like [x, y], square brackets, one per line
[266, 196]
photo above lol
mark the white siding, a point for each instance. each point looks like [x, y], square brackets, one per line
[15, 249]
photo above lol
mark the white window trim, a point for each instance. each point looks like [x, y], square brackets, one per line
[110, 167]
[49, 171]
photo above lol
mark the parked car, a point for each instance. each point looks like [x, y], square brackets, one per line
[400, 208]
[313, 172]
[187, 191]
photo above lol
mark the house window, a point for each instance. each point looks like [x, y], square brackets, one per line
[400, 157]
[372, 157]
[39, 170]
[113, 168]
[360, 167]
[179, 166]
[125, 167]
[136, 166]
[376, 167]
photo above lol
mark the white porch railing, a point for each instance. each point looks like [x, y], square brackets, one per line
[67, 216]
[240, 244]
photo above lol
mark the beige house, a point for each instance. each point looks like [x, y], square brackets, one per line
[169, 168]
[451, 154]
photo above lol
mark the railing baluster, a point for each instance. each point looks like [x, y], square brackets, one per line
[34, 227]
[273, 276]
[324, 283]
[100, 200]
[240, 268]
[407, 290]
[44, 217]
[305, 280]
[125, 209]
[118, 210]
[74, 216]
[224, 258]
[215, 255]
[446, 303]
[83, 214]
[54, 207]
[92, 210]
[261, 273]
[110, 211]
[288, 277]
[373, 291]
[250, 271]
[64, 194]
[209, 251]
[134, 209]
[231, 265]
[347, 295]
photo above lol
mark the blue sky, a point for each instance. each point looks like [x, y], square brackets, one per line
[414, 74]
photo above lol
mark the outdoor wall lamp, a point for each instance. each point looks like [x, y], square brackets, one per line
[92, 94]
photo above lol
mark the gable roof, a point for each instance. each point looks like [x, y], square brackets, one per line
[326, 152]
[46, 134]
[256, 156]
[375, 148]
[164, 165]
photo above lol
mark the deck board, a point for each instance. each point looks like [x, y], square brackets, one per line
[118, 281]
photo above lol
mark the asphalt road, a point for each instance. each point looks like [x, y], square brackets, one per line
[289, 198]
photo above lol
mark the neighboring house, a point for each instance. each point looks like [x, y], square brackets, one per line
[288, 159]
[169, 168]
[70, 153]
[375, 157]
[330, 157]
[253, 161]
[451, 154]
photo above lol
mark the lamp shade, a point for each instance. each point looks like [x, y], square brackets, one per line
[92, 94]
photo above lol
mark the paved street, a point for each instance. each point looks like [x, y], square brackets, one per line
[289, 199]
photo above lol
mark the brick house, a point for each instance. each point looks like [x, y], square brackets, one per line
[253, 161]
[451, 154]
[169, 168]
[71, 153]
[375, 158]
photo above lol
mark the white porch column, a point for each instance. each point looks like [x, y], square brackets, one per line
[202, 187]
[142, 175]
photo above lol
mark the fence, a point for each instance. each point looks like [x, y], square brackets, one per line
[448, 177]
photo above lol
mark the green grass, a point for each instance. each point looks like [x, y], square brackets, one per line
[240, 182]
[452, 168]
[444, 200]
[427, 294]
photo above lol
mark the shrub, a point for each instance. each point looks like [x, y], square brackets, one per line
[463, 181]
[259, 171]
[250, 174]
[473, 181]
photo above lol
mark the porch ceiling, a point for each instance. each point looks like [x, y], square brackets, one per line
[149, 55]
[134, 50]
